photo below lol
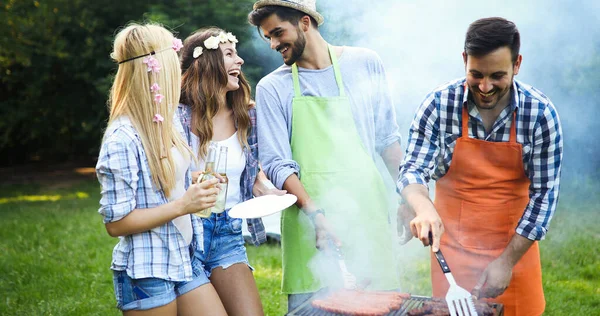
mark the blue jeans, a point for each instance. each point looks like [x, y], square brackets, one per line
[223, 243]
[148, 293]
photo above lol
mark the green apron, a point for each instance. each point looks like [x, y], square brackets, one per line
[341, 177]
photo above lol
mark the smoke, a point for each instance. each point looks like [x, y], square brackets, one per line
[421, 43]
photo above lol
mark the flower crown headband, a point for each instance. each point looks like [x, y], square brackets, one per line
[154, 67]
[177, 45]
[214, 41]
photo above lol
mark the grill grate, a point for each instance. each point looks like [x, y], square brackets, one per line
[415, 301]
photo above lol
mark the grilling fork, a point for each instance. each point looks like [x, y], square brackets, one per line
[349, 278]
[460, 301]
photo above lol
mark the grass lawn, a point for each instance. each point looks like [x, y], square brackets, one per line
[55, 257]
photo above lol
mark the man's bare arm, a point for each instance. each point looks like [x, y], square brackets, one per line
[392, 157]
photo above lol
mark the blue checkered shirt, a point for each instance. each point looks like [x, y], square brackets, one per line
[255, 225]
[437, 126]
[126, 183]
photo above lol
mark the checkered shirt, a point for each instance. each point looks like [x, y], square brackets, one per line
[123, 172]
[437, 125]
[255, 225]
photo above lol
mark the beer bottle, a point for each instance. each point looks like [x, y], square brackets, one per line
[222, 170]
[209, 173]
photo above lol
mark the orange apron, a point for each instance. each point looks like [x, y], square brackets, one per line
[480, 201]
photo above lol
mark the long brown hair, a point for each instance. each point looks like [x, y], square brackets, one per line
[130, 96]
[202, 84]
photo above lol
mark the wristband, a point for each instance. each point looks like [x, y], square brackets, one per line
[313, 215]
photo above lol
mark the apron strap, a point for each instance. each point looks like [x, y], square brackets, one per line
[465, 116]
[513, 128]
[336, 70]
[465, 121]
[297, 92]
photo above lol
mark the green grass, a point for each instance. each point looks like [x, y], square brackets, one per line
[266, 261]
[55, 257]
[571, 262]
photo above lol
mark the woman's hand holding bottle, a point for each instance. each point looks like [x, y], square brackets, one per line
[201, 196]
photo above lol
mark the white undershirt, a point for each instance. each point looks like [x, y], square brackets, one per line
[236, 163]
[184, 222]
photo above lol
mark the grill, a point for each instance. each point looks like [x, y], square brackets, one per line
[415, 301]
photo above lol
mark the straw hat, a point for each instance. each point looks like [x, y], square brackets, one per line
[307, 6]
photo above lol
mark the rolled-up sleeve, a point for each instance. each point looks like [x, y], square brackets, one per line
[275, 153]
[544, 173]
[423, 146]
[117, 171]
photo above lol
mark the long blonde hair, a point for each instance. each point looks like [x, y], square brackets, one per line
[131, 96]
[203, 82]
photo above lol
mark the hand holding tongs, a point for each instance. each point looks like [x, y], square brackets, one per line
[460, 301]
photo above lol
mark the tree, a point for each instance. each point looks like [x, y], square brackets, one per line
[55, 69]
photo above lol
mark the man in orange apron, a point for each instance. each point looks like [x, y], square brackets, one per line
[494, 145]
[323, 119]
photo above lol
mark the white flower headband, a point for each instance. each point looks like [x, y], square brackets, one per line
[214, 41]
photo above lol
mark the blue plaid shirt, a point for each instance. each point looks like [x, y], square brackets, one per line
[126, 182]
[255, 225]
[437, 126]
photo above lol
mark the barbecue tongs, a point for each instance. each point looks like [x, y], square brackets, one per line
[460, 302]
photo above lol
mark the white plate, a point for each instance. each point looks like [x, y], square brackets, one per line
[262, 206]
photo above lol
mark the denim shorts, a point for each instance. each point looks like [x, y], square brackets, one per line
[223, 243]
[148, 293]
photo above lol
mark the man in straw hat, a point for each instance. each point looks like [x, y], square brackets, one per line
[324, 118]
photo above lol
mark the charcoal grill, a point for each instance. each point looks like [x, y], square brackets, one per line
[415, 301]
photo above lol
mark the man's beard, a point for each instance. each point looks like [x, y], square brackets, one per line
[500, 96]
[297, 48]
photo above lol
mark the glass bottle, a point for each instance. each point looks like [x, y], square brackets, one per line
[222, 170]
[209, 173]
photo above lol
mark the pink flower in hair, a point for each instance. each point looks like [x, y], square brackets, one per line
[152, 64]
[157, 118]
[158, 98]
[177, 44]
[154, 88]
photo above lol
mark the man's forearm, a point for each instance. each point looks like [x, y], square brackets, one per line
[392, 157]
[417, 197]
[516, 248]
[293, 186]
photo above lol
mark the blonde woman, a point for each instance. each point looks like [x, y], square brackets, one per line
[143, 168]
[216, 107]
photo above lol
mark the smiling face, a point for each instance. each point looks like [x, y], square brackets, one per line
[285, 38]
[490, 77]
[233, 65]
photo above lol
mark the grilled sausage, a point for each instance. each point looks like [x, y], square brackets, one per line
[362, 303]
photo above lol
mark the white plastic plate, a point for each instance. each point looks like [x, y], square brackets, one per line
[262, 206]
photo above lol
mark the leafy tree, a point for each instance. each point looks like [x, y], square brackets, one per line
[55, 69]
[55, 76]
[187, 16]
